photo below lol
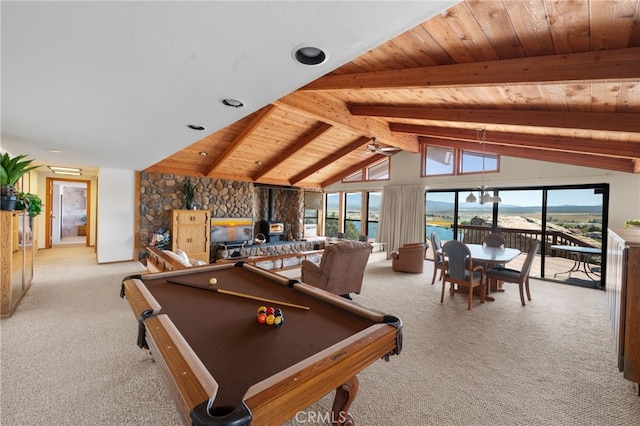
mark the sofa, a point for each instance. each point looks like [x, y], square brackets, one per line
[341, 268]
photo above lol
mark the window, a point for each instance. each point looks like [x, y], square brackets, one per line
[373, 213]
[379, 170]
[555, 215]
[311, 216]
[477, 162]
[438, 161]
[440, 214]
[353, 215]
[332, 215]
[355, 177]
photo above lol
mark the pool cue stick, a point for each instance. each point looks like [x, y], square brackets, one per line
[235, 293]
[261, 299]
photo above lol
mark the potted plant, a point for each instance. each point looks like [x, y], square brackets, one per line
[11, 169]
[189, 190]
[29, 202]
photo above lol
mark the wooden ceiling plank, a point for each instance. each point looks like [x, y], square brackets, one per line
[613, 122]
[467, 28]
[556, 143]
[347, 172]
[304, 141]
[335, 112]
[529, 19]
[608, 65]
[569, 23]
[627, 165]
[262, 115]
[628, 98]
[330, 159]
[614, 30]
[498, 28]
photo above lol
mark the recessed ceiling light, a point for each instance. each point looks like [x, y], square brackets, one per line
[310, 55]
[234, 103]
[195, 127]
[259, 163]
[202, 153]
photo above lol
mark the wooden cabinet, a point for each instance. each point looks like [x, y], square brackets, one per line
[190, 231]
[16, 258]
[623, 298]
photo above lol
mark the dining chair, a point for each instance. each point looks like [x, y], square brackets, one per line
[458, 269]
[493, 240]
[521, 277]
[438, 258]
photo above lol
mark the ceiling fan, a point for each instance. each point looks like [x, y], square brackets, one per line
[377, 149]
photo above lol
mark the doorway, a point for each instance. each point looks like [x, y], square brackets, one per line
[67, 212]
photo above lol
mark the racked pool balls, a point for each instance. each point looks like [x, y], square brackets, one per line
[270, 316]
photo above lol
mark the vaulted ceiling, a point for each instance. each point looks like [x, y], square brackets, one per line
[112, 84]
[549, 80]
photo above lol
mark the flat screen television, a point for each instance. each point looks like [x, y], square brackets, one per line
[227, 230]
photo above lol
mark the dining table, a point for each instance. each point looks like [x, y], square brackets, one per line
[491, 256]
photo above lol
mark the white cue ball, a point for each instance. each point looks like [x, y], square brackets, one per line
[213, 281]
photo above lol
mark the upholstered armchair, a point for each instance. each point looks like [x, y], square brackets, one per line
[409, 258]
[341, 268]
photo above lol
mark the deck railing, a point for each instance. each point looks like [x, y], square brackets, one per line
[522, 239]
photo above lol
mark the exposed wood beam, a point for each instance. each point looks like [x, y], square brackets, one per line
[304, 141]
[330, 110]
[627, 165]
[554, 143]
[361, 141]
[241, 137]
[361, 165]
[603, 65]
[612, 122]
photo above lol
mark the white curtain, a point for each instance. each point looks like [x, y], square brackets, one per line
[401, 216]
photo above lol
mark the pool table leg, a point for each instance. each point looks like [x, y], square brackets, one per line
[345, 394]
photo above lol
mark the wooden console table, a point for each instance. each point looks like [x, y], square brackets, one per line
[16, 258]
[623, 297]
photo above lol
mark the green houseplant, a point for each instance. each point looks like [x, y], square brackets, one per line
[189, 190]
[29, 202]
[12, 169]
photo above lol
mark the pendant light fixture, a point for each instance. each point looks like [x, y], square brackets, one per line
[484, 196]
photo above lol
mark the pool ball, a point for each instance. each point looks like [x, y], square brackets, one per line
[270, 319]
[262, 318]
[279, 320]
[270, 311]
[213, 281]
[262, 309]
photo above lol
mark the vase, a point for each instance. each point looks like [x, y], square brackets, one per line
[8, 202]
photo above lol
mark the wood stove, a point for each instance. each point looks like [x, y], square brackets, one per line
[272, 230]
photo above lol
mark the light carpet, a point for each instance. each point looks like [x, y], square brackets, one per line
[69, 355]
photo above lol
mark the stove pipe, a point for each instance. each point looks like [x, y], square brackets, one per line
[272, 205]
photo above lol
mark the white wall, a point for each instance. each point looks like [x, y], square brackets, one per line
[116, 215]
[624, 199]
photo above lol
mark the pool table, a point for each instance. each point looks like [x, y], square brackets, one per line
[224, 367]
